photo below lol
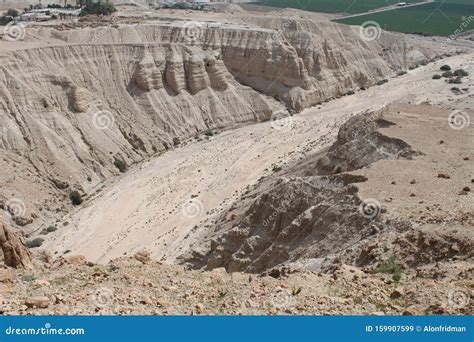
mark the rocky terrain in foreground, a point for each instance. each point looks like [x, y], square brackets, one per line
[72, 286]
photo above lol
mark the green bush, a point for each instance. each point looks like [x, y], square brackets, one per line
[120, 165]
[12, 13]
[401, 73]
[98, 8]
[75, 197]
[447, 74]
[445, 67]
[392, 267]
[460, 73]
[34, 243]
[436, 77]
[457, 80]
[276, 168]
[48, 230]
[209, 133]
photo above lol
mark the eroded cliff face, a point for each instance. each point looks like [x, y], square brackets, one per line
[298, 61]
[126, 92]
[68, 112]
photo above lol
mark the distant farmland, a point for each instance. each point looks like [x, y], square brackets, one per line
[438, 18]
[335, 6]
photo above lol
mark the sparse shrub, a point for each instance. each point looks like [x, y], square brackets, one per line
[397, 276]
[276, 168]
[120, 165]
[436, 77]
[460, 73]
[209, 133]
[28, 278]
[457, 80]
[222, 293]
[382, 82]
[48, 230]
[113, 267]
[392, 267]
[296, 291]
[89, 179]
[445, 67]
[34, 243]
[447, 74]
[401, 73]
[75, 197]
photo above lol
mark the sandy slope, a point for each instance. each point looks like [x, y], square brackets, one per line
[149, 206]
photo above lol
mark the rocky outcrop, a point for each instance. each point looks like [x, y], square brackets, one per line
[358, 145]
[15, 253]
[312, 212]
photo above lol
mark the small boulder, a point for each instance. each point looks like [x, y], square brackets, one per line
[5, 276]
[397, 293]
[40, 302]
[143, 256]
[22, 221]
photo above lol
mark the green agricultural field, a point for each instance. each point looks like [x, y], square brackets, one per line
[335, 6]
[442, 18]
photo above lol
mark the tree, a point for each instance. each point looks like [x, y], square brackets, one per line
[12, 13]
[75, 197]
